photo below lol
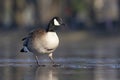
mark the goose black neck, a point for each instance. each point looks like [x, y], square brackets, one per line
[50, 28]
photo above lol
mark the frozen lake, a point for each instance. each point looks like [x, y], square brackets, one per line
[70, 69]
[82, 57]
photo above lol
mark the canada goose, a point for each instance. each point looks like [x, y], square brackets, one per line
[43, 41]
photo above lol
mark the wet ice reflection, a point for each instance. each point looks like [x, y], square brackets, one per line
[46, 74]
[71, 69]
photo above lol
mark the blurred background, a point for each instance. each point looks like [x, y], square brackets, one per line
[101, 15]
[91, 33]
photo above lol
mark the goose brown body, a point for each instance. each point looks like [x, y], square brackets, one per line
[41, 42]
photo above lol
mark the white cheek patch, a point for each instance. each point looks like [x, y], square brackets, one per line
[56, 22]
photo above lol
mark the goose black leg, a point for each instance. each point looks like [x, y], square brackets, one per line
[37, 61]
[51, 58]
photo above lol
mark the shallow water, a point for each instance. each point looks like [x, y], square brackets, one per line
[70, 69]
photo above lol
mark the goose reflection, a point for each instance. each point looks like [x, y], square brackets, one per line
[46, 73]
